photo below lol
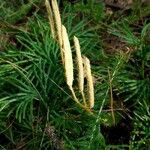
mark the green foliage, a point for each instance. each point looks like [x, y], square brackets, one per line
[34, 96]
[12, 11]
[135, 74]
[30, 76]
[93, 10]
[141, 133]
[134, 83]
[80, 28]
[36, 109]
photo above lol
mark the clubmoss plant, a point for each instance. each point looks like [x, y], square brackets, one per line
[68, 61]
[32, 98]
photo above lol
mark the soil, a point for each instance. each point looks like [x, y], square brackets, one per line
[118, 134]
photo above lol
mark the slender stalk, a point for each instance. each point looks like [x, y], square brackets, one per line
[111, 98]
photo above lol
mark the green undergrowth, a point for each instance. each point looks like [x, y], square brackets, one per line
[36, 109]
[36, 106]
